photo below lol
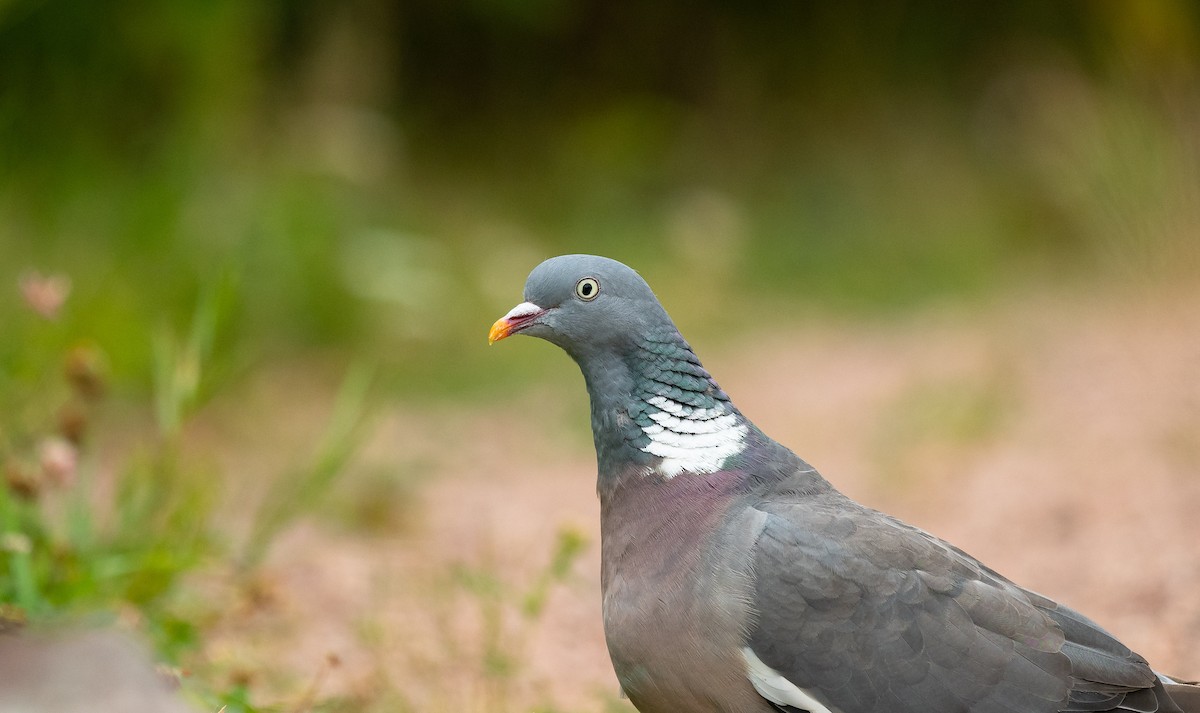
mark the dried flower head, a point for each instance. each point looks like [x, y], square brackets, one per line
[20, 481]
[59, 460]
[85, 370]
[73, 422]
[45, 294]
[16, 542]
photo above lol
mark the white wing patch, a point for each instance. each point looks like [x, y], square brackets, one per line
[695, 440]
[771, 685]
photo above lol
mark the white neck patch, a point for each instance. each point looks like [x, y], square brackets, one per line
[696, 440]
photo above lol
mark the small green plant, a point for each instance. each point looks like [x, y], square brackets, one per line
[77, 540]
[114, 543]
[297, 492]
[509, 615]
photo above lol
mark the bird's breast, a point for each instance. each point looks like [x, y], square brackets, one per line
[674, 601]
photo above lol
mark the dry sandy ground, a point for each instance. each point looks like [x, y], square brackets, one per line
[1055, 437]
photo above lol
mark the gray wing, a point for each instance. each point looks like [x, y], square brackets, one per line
[865, 614]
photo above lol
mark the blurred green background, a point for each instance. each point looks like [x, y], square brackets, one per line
[380, 176]
[227, 189]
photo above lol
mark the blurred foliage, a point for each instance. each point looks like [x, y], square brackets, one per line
[297, 493]
[74, 542]
[82, 539]
[382, 175]
[508, 619]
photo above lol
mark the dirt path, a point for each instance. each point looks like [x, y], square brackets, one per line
[1056, 438]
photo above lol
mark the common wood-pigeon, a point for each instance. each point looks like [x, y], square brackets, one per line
[737, 580]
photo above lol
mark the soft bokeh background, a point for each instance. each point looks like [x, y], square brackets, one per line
[250, 251]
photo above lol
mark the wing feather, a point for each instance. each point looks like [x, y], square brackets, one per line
[880, 616]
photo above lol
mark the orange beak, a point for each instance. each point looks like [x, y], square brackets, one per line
[518, 318]
[501, 329]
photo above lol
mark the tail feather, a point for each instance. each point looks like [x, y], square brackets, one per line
[1185, 695]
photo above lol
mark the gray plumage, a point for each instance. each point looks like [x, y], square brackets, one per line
[737, 579]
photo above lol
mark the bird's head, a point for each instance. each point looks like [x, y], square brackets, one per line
[585, 304]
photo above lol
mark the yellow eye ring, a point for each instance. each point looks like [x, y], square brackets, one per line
[587, 289]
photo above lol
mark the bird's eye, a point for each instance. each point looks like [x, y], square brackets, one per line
[587, 289]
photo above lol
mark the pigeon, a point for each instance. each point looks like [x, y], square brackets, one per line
[736, 579]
